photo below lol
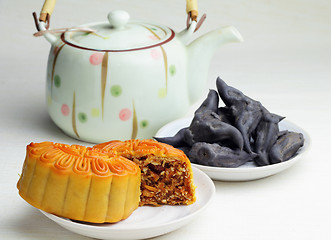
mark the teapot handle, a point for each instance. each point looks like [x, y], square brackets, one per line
[47, 10]
[192, 9]
[48, 7]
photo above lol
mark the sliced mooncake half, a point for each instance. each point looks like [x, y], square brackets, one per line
[166, 173]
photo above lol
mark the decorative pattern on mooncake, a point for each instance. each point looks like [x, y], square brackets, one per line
[84, 184]
[166, 173]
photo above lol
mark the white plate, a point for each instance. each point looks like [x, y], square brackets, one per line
[247, 171]
[146, 221]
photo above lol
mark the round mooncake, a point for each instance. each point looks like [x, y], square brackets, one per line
[80, 183]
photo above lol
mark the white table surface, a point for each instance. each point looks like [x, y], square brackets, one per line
[285, 62]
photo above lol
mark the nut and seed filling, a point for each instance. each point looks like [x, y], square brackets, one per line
[164, 181]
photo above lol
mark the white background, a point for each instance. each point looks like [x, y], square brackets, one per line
[285, 62]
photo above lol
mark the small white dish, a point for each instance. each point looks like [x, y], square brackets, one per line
[248, 171]
[147, 221]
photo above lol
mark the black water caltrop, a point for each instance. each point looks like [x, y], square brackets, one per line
[229, 136]
[218, 156]
[286, 147]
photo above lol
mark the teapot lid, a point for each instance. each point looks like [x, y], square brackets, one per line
[119, 34]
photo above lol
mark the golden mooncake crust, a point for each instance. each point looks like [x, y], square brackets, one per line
[80, 183]
[136, 147]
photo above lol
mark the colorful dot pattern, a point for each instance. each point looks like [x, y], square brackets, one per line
[95, 112]
[143, 124]
[96, 58]
[124, 114]
[156, 54]
[82, 117]
[116, 90]
[57, 81]
[65, 110]
[172, 70]
[162, 93]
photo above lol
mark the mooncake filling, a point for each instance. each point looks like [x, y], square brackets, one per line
[164, 181]
[166, 173]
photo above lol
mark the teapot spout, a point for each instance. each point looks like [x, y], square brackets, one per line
[200, 53]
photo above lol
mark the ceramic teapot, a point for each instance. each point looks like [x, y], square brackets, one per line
[124, 79]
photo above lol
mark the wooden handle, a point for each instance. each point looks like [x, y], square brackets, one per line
[192, 9]
[47, 10]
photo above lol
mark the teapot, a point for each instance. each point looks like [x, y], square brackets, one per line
[124, 79]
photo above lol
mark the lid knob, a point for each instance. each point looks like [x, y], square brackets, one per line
[118, 18]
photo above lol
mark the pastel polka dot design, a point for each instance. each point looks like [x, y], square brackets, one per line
[153, 37]
[57, 81]
[100, 59]
[162, 93]
[156, 54]
[49, 100]
[172, 70]
[95, 112]
[82, 117]
[125, 114]
[116, 90]
[143, 124]
[65, 110]
[96, 58]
